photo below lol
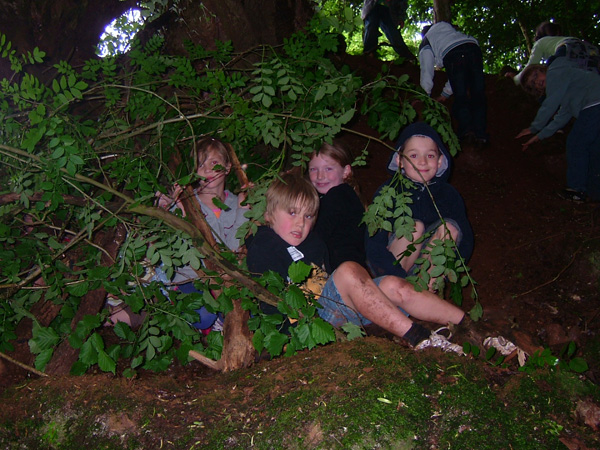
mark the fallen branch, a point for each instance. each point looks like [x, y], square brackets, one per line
[23, 366]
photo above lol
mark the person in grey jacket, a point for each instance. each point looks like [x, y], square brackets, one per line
[570, 93]
[460, 55]
[389, 15]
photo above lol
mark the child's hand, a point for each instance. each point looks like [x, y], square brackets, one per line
[164, 201]
[243, 195]
[167, 201]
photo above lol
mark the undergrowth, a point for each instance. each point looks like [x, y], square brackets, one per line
[368, 393]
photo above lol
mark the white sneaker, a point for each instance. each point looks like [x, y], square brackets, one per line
[501, 344]
[441, 342]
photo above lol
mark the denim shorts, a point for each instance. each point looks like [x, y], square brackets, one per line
[336, 312]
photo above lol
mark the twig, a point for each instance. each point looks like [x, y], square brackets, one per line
[538, 240]
[555, 278]
[23, 366]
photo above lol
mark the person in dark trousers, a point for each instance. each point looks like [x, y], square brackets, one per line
[570, 92]
[460, 55]
[389, 15]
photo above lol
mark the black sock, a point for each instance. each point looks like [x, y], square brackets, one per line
[416, 334]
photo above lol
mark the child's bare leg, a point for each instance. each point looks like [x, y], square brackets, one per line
[399, 246]
[360, 293]
[423, 305]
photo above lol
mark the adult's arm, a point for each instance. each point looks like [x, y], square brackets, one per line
[555, 93]
[427, 63]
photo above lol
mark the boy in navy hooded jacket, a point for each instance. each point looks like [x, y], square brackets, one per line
[424, 159]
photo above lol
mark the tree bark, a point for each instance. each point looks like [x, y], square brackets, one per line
[91, 303]
[441, 11]
[245, 23]
[67, 30]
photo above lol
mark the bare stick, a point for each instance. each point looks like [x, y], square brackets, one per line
[23, 366]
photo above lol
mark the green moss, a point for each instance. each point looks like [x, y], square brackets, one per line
[369, 394]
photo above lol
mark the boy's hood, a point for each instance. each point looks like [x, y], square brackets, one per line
[423, 129]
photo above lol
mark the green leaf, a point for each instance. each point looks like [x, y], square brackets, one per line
[97, 342]
[266, 101]
[578, 365]
[476, 312]
[347, 116]
[322, 332]
[43, 358]
[295, 298]
[88, 355]
[299, 271]
[123, 330]
[105, 362]
[437, 271]
[79, 289]
[274, 342]
[219, 204]
[353, 331]
[44, 338]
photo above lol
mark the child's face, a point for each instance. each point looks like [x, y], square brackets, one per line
[213, 179]
[537, 82]
[423, 153]
[326, 173]
[291, 224]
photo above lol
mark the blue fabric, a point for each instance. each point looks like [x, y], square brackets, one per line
[334, 310]
[464, 66]
[380, 17]
[583, 153]
[207, 319]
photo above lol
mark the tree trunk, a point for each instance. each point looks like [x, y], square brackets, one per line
[91, 303]
[441, 11]
[67, 30]
[245, 23]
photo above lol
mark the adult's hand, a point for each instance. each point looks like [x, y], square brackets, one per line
[524, 132]
[531, 141]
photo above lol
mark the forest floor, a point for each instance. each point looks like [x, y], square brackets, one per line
[537, 267]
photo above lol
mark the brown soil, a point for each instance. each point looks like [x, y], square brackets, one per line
[536, 258]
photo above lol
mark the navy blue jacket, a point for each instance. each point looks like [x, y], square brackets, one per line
[448, 200]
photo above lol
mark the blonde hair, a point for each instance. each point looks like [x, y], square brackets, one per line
[290, 190]
[528, 73]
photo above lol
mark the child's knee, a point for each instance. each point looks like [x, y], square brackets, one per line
[354, 269]
[396, 286]
[448, 229]
[349, 272]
